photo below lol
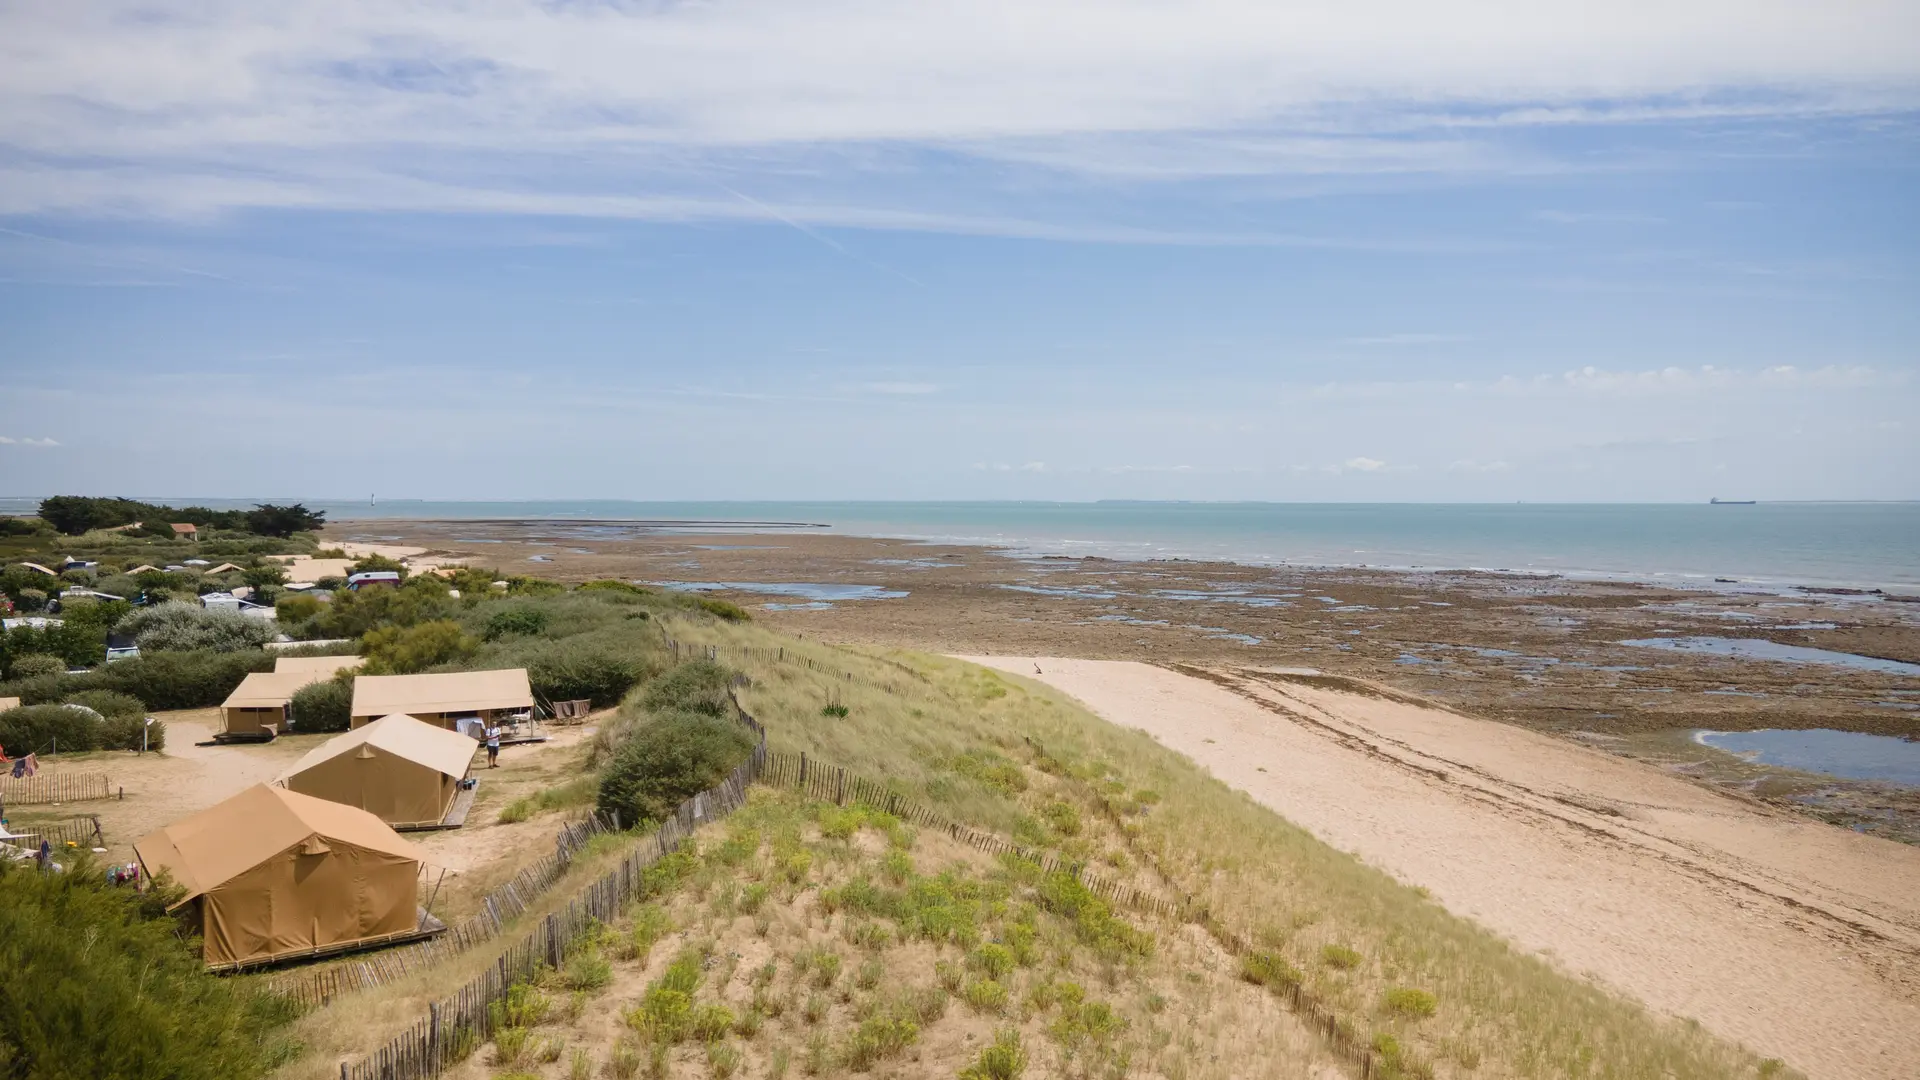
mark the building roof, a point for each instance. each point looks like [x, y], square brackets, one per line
[37, 566]
[226, 840]
[223, 568]
[303, 568]
[182, 530]
[373, 575]
[437, 748]
[324, 665]
[459, 691]
[271, 689]
[143, 568]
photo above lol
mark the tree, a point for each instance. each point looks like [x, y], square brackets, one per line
[265, 576]
[176, 627]
[266, 519]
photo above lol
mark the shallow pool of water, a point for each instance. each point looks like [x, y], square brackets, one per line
[802, 589]
[1821, 750]
[1762, 649]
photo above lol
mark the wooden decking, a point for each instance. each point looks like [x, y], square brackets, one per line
[427, 926]
[457, 812]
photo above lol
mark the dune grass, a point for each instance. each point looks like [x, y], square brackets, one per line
[937, 730]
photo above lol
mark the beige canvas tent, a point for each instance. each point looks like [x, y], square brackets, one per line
[398, 769]
[275, 874]
[443, 699]
[9, 703]
[324, 666]
[261, 702]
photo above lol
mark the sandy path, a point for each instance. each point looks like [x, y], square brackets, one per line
[1797, 939]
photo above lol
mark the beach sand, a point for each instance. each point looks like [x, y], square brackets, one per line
[1798, 939]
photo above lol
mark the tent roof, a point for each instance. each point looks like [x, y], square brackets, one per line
[325, 666]
[226, 840]
[9, 703]
[266, 689]
[437, 748]
[458, 691]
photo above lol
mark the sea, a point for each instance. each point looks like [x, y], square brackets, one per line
[1860, 545]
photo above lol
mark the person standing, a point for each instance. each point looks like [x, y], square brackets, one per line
[493, 746]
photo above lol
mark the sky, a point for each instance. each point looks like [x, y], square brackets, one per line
[1367, 250]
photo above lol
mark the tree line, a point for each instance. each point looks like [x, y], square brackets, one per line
[76, 514]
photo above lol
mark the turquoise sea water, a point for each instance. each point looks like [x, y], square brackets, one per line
[1868, 545]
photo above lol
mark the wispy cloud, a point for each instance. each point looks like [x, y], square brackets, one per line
[892, 388]
[632, 110]
[7, 440]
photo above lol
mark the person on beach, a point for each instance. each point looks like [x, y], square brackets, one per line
[493, 747]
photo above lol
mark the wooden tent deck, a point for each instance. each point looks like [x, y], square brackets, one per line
[457, 812]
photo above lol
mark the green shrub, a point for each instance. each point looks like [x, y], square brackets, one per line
[723, 609]
[403, 650]
[583, 667]
[985, 995]
[1005, 1059]
[1268, 969]
[1063, 817]
[40, 729]
[525, 621]
[992, 770]
[178, 627]
[1339, 957]
[1408, 1001]
[324, 706]
[108, 703]
[666, 761]
[33, 665]
[994, 960]
[878, 1038]
[588, 970]
[98, 985]
[699, 686]
[710, 1022]
[295, 608]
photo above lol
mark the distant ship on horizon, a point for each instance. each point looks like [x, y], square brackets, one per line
[1731, 502]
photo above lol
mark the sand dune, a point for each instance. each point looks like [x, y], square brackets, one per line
[1798, 939]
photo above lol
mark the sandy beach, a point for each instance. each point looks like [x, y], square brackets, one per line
[1799, 940]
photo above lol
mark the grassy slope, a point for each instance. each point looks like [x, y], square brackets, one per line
[1498, 1012]
[954, 737]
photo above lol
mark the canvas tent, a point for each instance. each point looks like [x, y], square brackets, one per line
[443, 699]
[402, 771]
[262, 700]
[275, 874]
[325, 666]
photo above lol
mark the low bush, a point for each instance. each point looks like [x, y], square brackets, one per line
[623, 588]
[178, 627]
[699, 686]
[403, 650]
[127, 732]
[324, 706]
[1005, 1059]
[1339, 957]
[34, 665]
[162, 680]
[584, 667]
[109, 703]
[42, 729]
[667, 760]
[526, 621]
[1408, 1001]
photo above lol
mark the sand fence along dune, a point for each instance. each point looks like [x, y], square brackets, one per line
[1797, 939]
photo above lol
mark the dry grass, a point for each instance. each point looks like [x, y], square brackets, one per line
[1431, 991]
[815, 979]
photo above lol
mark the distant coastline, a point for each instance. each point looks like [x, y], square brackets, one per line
[1766, 546]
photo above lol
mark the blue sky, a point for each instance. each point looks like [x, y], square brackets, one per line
[830, 249]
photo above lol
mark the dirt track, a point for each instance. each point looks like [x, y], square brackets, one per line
[1796, 938]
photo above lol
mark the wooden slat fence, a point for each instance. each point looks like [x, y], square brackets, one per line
[49, 786]
[464, 1019]
[82, 831]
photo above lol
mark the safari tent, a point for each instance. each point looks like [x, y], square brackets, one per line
[324, 666]
[274, 874]
[402, 771]
[444, 699]
[261, 703]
